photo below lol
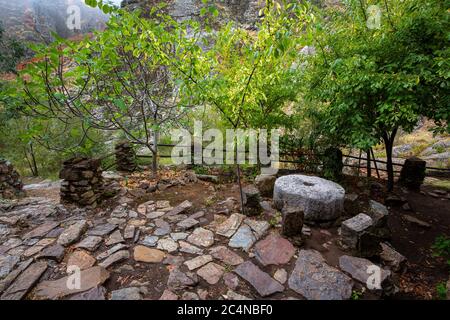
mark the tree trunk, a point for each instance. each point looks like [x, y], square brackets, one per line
[389, 143]
[369, 165]
[33, 158]
[155, 153]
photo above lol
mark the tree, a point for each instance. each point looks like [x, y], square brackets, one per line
[119, 80]
[367, 83]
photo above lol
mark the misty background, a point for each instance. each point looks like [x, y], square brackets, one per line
[34, 20]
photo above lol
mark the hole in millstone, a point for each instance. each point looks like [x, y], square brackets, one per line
[308, 184]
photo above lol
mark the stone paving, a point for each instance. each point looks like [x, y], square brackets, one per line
[188, 253]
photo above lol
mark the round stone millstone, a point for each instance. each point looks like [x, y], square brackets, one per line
[320, 199]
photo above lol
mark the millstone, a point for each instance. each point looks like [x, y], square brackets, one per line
[320, 199]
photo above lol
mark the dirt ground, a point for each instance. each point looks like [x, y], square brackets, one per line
[424, 271]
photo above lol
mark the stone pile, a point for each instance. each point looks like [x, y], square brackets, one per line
[83, 183]
[10, 183]
[125, 157]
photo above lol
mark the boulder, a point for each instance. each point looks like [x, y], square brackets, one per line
[320, 199]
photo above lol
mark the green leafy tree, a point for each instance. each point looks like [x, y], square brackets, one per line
[369, 82]
[121, 80]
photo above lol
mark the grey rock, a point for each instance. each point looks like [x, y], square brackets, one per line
[314, 279]
[201, 237]
[132, 293]
[392, 258]
[150, 241]
[179, 236]
[261, 281]
[110, 251]
[54, 252]
[25, 281]
[114, 258]
[320, 199]
[72, 233]
[198, 262]
[361, 269]
[352, 229]
[379, 213]
[265, 184]
[230, 226]
[102, 230]
[179, 280]
[114, 238]
[243, 238]
[97, 293]
[90, 243]
[189, 248]
[187, 224]
[7, 264]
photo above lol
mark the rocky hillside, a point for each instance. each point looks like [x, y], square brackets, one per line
[34, 20]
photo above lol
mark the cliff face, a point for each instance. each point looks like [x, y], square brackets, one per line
[244, 12]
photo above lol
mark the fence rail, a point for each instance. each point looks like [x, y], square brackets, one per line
[286, 157]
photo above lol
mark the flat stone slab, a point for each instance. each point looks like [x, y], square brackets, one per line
[90, 243]
[114, 238]
[129, 231]
[201, 237]
[81, 259]
[132, 293]
[321, 200]
[25, 281]
[110, 251]
[54, 252]
[361, 269]
[55, 289]
[259, 227]
[41, 230]
[243, 238]
[150, 241]
[274, 250]
[230, 226]
[225, 255]
[261, 281]
[72, 233]
[114, 258]
[179, 280]
[149, 255]
[314, 279]
[168, 295]
[187, 224]
[7, 264]
[102, 230]
[41, 244]
[198, 262]
[167, 244]
[95, 294]
[179, 235]
[212, 272]
[189, 248]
